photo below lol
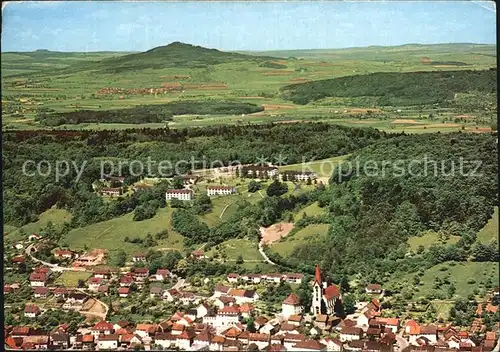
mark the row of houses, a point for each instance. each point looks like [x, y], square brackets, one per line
[293, 278]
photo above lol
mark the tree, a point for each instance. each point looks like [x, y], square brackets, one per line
[81, 283]
[277, 188]
[121, 258]
[349, 304]
[239, 260]
[344, 284]
[253, 186]
[202, 204]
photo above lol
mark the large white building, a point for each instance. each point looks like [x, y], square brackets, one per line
[220, 190]
[180, 194]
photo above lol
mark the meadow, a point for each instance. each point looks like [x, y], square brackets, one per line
[310, 233]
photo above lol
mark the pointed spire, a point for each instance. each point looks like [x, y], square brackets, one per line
[317, 275]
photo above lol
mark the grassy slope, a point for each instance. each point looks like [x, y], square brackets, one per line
[429, 238]
[490, 231]
[459, 275]
[286, 245]
[110, 234]
[56, 216]
[234, 247]
[310, 210]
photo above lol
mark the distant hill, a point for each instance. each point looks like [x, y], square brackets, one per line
[389, 88]
[175, 54]
[382, 52]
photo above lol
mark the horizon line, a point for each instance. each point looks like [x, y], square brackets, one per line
[250, 51]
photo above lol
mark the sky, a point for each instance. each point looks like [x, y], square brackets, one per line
[258, 26]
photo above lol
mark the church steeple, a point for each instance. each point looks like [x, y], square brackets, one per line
[317, 275]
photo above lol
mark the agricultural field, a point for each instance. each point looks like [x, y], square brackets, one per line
[51, 80]
[70, 278]
[286, 245]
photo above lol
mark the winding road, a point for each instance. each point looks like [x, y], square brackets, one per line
[54, 267]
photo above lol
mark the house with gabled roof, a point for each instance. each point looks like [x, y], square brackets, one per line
[291, 306]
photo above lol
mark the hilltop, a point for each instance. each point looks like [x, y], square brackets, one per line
[175, 54]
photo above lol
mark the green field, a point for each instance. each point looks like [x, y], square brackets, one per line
[54, 215]
[323, 168]
[111, 234]
[429, 238]
[70, 278]
[311, 232]
[466, 276]
[489, 232]
[233, 248]
[310, 210]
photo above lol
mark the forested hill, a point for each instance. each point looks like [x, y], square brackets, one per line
[372, 213]
[397, 89]
[175, 54]
[221, 144]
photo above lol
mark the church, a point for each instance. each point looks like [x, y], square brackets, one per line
[326, 299]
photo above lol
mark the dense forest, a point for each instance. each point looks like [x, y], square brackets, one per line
[397, 89]
[147, 113]
[372, 212]
[25, 197]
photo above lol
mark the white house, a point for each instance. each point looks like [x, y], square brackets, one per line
[227, 316]
[180, 194]
[294, 175]
[373, 289]
[108, 342]
[291, 306]
[220, 190]
[165, 339]
[233, 277]
[94, 283]
[243, 296]
[202, 310]
[162, 274]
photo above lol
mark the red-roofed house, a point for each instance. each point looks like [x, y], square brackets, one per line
[123, 292]
[126, 281]
[31, 311]
[63, 253]
[139, 257]
[162, 274]
[38, 279]
[102, 327]
[41, 292]
[291, 306]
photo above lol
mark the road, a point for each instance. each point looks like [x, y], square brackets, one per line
[401, 342]
[101, 316]
[53, 267]
[264, 255]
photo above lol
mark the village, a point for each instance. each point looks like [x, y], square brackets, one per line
[230, 318]
[237, 311]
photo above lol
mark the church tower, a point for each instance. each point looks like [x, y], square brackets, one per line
[317, 296]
